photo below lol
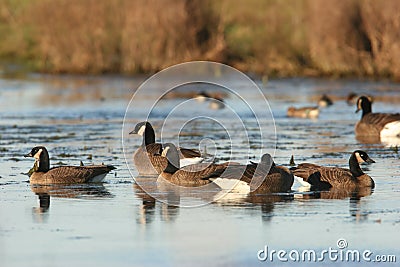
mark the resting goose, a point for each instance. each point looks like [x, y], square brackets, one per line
[305, 112]
[325, 101]
[323, 178]
[42, 174]
[216, 103]
[262, 177]
[376, 124]
[143, 155]
[191, 175]
[202, 96]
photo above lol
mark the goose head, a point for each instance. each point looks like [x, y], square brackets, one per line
[202, 96]
[140, 128]
[267, 160]
[145, 129]
[362, 157]
[364, 104]
[171, 153]
[41, 156]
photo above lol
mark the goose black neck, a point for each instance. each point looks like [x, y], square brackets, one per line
[354, 166]
[44, 161]
[171, 168]
[173, 159]
[149, 135]
[366, 107]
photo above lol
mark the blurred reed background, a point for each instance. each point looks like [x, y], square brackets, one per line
[273, 37]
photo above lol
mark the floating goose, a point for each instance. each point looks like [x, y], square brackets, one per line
[216, 103]
[261, 177]
[325, 101]
[202, 96]
[353, 97]
[42, 174]
[323, 178]
[305, 112]
[143, 155]
[191, 175]
[376, 124]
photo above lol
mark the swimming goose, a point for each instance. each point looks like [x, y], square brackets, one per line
[202, 96]
[261, 177]
[353, 97]
[305, 112]
[325, 101]
[216, 103]
[323, 178]
[143, 155]
[42, 174]
[191, 175]
[376, 124]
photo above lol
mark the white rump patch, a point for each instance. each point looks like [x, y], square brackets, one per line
[391, 129]
[98, 178]
[302, 182]
[189, 161]
[232, 185]
[313, 113]
[201, 98]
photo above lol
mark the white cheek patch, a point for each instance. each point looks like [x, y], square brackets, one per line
[37, 155]
[164, 152]
[359, 158]
[141, 130]
[359, 104]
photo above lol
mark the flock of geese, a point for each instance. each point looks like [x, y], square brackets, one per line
[185, 167]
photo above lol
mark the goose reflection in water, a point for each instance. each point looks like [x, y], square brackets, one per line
[265, 202]
[356, 210]
[168, 207]
[147, 209]
[80, 191]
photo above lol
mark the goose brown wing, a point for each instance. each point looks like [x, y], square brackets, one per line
[240, 172]
[286, 178]
[189, 153]
[153, 149]
[197, 174]
[159, 163]
[304, 170]
[380, 119]
[277, 179]
[76, 174]
[336, 176]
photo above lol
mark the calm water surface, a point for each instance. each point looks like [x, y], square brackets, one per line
[115, 223]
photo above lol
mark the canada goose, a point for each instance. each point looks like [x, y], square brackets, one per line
[353, 97]
[143, 155]
[376, 124]
[325, 101]
[42, 174]
[323, 178]
[216, 103]
[261, 177]
[191, 175]
[202, 96]
[305, 112]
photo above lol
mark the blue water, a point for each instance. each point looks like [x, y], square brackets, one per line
[115, 223]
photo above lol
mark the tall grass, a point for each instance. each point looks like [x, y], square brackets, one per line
[274, 37]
